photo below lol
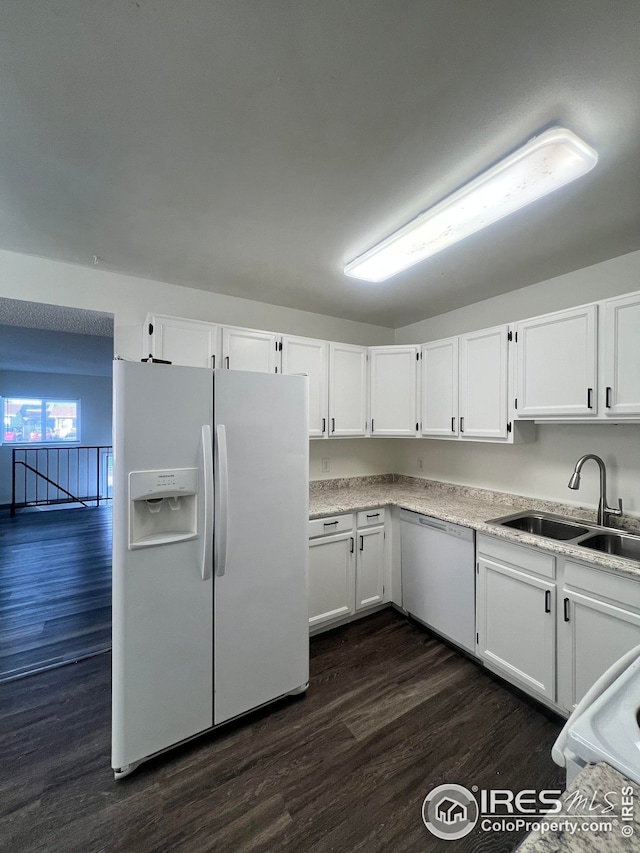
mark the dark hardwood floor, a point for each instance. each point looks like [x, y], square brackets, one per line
[55, 587]
[390, 713]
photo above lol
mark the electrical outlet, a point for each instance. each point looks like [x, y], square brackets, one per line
[420, 463]
[326, 467]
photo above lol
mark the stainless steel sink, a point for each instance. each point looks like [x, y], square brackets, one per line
[617, 544]
[593, 536]
[543, 525]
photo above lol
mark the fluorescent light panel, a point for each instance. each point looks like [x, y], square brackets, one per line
[544, 164]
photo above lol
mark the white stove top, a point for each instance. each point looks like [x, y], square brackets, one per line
[608, 729]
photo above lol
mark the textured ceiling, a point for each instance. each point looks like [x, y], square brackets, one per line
[38, 315]
[252, 148]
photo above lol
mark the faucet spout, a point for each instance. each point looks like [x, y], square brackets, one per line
[604, 510]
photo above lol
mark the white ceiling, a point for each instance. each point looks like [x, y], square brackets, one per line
[252, 148]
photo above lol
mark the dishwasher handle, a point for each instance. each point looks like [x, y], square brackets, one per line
[430, 522]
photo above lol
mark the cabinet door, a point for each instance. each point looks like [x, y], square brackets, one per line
[309, 356]
[483, 383]
[622, 356]
[516, 625]
[185, 342]
[556, 374]
[393, 390]
[347, 390]
[249, 349]
[439, 365]
[331, 578]
[594, 634]
[370, 567]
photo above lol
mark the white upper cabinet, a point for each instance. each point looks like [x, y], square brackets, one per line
[250, 349]
[185, 342]
[484, 370]
[393, 375]
[556, 374]
[347, 390]
[310, 356]
[439, 365]
[622, 355]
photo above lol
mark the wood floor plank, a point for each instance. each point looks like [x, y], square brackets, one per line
[390, 713]
[55, 588]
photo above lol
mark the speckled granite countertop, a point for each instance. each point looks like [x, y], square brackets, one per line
[463, 505]
[614, 834]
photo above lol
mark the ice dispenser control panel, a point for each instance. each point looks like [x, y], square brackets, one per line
[162, 506]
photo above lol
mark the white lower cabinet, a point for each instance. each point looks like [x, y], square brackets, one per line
[516, 625]
[347, 565]
[331, 578]
[370, 567]
[551, 625]
[598, 622]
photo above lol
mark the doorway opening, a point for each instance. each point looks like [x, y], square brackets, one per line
[55, 455]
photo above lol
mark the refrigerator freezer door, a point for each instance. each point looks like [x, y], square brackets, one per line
[162, 594]
[261, 632]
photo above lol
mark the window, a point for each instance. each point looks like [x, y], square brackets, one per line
[28, 420]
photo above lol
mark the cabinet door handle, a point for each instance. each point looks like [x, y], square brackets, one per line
[567, 612]
[329, 523]
[362, 543]
[371, 424]
[352, 544]
[607, 400]
[374, 515]
[227, 362]
[333, 424]
[324, 425]
[461, 424]
[453, 424]
[547, 601]
[589, 396]
[213, 362]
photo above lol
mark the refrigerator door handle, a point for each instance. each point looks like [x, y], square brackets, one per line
[207, 536]
[223, 485]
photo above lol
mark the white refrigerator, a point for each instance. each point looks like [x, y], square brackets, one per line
[210, 550]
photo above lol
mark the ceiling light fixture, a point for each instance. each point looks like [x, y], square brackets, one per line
[546, 163]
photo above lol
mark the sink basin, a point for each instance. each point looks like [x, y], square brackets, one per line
[542, 525]
[602, 539]
[616, 544]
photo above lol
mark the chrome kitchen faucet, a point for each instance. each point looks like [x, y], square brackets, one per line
[604, 510]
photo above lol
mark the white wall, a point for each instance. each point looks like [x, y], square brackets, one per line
[94, 392]
[609, 278]
[537, 469]
[540, 468]
[129, 299]
[352, 457]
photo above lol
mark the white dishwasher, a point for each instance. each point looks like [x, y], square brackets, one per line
[438, 576]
